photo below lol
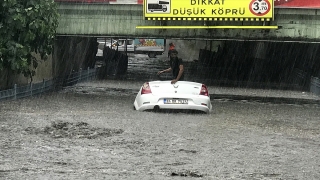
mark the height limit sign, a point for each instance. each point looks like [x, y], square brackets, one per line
[260, 7]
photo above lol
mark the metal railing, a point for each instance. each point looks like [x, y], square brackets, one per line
[55, 84]
[315, 85]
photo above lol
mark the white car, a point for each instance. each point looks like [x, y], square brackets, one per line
[183, 95]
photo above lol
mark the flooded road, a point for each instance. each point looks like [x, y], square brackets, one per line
[91, 132]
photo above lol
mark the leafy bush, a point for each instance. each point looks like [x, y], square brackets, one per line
[26, 27]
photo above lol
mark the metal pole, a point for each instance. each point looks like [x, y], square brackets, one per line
[88, 73]
[31, 88]
[15, 91]
[42, 86]
[80, 71]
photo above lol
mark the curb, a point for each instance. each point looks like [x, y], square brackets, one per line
[232, 97]
[276, 100]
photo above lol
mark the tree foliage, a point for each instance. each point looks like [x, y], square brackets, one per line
[26, 26]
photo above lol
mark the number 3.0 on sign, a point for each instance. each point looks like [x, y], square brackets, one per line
[260, 7]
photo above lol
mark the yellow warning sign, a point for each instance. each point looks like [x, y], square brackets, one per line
[212, 9]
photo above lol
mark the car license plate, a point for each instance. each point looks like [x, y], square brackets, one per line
[175, 101]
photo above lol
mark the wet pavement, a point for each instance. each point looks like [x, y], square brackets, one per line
[265, 95]
[227, 93]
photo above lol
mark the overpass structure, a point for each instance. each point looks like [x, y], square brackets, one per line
[123, 20]
[278, 51]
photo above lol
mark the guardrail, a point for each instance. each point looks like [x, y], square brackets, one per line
[55, 84]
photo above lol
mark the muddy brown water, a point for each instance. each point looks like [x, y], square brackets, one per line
[92, 132]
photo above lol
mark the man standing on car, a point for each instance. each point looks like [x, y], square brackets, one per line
[176, 66]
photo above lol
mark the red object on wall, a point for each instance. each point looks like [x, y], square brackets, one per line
[281, 2]
[307, 4]
[86, 1]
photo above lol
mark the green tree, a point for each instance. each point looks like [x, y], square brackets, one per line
[26, 26]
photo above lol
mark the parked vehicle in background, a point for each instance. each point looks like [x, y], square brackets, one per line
[151, 47]
[102, 43]
[121, 44]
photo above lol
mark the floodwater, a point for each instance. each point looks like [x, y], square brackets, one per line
[92, 132]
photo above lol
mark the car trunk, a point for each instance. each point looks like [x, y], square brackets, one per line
[179, 88]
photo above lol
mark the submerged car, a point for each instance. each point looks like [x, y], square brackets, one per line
[183, 95]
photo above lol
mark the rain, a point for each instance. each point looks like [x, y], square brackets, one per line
[264, 123]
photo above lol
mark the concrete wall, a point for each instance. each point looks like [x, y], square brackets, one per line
[189, 49]
[70, 54]
[73, 53]
[121, 20]
[43, 71]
